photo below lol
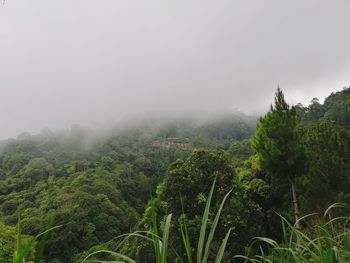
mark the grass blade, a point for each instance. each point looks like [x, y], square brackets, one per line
[222, 248]
[186, 240]
[204, 225]
[213, 228]
[165, 239]
[118, 255]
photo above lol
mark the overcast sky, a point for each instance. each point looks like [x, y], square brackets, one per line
[89, 62]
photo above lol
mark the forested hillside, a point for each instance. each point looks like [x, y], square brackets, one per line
[158, 132]
[98, 187]
[296, 164]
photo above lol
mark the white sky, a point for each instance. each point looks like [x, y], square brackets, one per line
[88, 62]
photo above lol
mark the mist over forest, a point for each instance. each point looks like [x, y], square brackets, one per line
[87, 63]
[174, 131]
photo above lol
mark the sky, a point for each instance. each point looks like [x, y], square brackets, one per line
[94, 62]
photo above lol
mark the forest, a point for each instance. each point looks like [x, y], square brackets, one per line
[273, 188]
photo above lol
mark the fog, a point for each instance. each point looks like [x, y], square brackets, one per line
[96, 62]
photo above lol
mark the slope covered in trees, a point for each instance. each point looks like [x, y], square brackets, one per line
[95, 186]
[295, 162]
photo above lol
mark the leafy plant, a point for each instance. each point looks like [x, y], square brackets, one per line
[29, 247]
[161, 244]
[326, 242]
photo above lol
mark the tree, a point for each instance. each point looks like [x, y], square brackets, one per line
[337, 107]
[184, 194]
[7, 242]
[277, 143]
[327, 177]
[315, 111]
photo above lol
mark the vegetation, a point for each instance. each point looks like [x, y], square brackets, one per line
[326, 241]
[160, 244]
[277, 144]
[25, 248]
[294, 163]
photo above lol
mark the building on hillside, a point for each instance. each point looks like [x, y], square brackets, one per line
[183, 143]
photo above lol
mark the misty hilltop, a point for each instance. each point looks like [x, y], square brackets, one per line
[174, 131]
[94, 63]
[97, 184]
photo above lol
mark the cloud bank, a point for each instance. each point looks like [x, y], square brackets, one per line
[90, 62]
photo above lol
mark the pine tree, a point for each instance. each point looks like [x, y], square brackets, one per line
[278, 146]
[326, 180]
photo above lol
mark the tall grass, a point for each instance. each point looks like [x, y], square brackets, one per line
[29, 249]
[161, 243]
[327, 241]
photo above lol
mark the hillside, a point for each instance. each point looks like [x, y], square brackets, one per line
[97, 187]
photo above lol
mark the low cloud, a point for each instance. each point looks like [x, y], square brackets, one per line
[92, 62]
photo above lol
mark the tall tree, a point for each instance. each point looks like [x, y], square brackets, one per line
[186, 187]
[278, 146]
[327, 176]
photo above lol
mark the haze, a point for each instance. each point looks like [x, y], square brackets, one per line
[94, 62]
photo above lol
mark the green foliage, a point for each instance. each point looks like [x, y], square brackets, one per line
[327, 178]
[315, 111]
[277, 142]
[160, 244]
[281, 155]
[7, 241]
[98, 188]
[184, 189]
[95, 193]
[337, 107]
[326, 241]
[27, 248]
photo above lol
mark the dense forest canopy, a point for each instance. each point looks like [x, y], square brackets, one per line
[157, 131]
[292, 161]
[97, 186]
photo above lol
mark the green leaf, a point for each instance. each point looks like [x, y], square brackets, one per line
[204, 225]
[222, 248]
